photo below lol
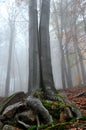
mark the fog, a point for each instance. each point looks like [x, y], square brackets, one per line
[14, 31]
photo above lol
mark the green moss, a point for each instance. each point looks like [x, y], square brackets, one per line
[62, 105]
[53, 108]
[38, 93]
[60, 95]
[42, 127]
[54, 126]
[59, 127]
[47, 104]
[6, 101]
[33, 128]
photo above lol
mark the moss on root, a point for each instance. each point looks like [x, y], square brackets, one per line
[54, 126]
[54, 108]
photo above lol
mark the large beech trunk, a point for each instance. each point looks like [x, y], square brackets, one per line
[47, 82]
[34, 77]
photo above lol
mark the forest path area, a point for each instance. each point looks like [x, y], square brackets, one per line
[77, 95]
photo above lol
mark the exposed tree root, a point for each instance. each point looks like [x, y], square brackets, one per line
[30, 110]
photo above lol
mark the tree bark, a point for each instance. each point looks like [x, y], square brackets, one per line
[47, 82]
[34, 71]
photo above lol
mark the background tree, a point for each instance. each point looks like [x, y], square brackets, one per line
[65, 11]
[75, 39]
[10, 52]
[59, 33]
[7, 86]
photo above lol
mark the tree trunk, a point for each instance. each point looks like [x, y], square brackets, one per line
[84, 21]
[63, 66]
[34, 72]
[67, 40]
[7, 85]
[70, 84]
[59, 34]
[75, 39]
[79, 54]
[47, 82]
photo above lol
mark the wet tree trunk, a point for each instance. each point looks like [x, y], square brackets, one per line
[47, 82]
[34, 72]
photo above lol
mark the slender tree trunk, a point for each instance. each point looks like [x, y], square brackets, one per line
[34, 72]
[75, 39]
[70, 84]
[79, 55]
[63, 65]
[84, 21]
[7, 85]
[59, 33]
[19, 71]
[69, 77]
[67, 39]
[75, 47]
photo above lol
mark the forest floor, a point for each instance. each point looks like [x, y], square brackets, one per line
[76, 95]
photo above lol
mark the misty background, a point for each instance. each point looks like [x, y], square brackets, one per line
[67, 41]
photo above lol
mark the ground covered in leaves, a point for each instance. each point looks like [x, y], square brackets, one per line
[77, 95]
